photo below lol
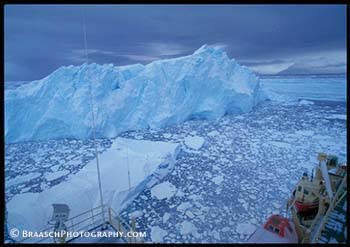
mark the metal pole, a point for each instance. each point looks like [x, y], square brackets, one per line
[93, 124]
[127, 162]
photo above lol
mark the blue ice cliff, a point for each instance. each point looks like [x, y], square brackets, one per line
[204, 85]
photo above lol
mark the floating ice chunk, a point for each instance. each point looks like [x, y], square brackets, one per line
[337, 116]
[216, 235]
[305, 132]
[138, 137]
[187, 227]
[184, 206]
[73, 162]
[195, 197]
[226, 229]
[22, 179]
[136, 214]
[157, 234]
[228, 142]
[54, 175]
[305, 102]
[253, 197]
[245, 228]
[189, 214]
[281, 171]
[167, 135]
[166, 217]
[55, 168]
[180, 193]
[163, 190]
[218, 179]
[213, 133]
[195, 142]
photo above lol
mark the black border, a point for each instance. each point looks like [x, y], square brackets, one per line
[195, 2]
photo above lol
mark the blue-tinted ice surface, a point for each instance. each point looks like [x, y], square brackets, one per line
[206, 85]
[34, 166]
[259, 156]
[325, 87]
[245, 170]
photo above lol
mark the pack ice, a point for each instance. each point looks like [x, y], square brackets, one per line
[204, 85]
[146, 161]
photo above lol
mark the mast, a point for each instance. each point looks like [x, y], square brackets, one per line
[127, 161]
[93, 124]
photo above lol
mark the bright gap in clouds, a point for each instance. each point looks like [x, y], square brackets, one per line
[271, 69]
[324, 62]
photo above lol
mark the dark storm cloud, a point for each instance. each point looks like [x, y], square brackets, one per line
[269, 39]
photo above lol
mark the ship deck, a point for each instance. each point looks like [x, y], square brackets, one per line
[334, 230]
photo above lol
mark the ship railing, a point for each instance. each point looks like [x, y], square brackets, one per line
[85, 221]
[123, 227]
[89, 221]
[315, 234]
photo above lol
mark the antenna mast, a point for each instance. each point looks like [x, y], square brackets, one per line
[93, 122]
[127, 161]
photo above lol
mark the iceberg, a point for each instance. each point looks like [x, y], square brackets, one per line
[204, 85]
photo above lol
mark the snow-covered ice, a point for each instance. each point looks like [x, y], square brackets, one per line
[55, 175]
[195, 142]
[36, 159]
[187, 227]
[166, 217]
[31, 211]
[163, 190]
[184, 206]
[21, 179]
[245, 228]
[218, 179]
[157, 234]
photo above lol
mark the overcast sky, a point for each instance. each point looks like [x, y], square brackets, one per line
[270, 39]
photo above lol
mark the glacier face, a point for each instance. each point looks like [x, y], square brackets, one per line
[207, 85]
